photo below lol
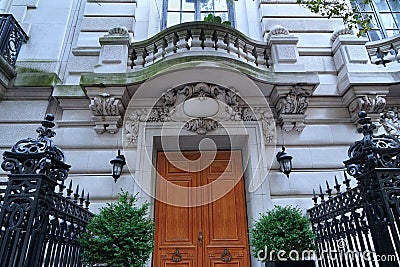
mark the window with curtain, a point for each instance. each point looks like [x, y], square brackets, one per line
[180, 11]
[385, 17]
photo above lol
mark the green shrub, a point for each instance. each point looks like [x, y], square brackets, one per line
[217, 19]
[282, 229]
[121, 235]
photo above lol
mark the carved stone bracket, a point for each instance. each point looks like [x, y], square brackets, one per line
[366, 98]
[108, 107]
[374, 105]
[107, 111]
[390, 120]
[178, 105]
[291, 105]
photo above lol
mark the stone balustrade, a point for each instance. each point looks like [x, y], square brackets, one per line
[187, 38]
[384, 51]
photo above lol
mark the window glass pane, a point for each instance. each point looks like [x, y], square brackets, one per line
[173, 18]
[373, 24]
[388, 21]
[223, 15]
[174, 5]
[220, 5]
[207, 5]
[186, 17]
[382, 5]
[188, 5]
[375, 35]
[392, 32]
[395, 5]
[362, 6]
[396, 17]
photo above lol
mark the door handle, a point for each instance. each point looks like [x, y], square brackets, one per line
[200, 239]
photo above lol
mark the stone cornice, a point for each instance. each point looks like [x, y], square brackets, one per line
[174, 64]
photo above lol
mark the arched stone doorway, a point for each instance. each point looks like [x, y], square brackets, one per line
[235, 116]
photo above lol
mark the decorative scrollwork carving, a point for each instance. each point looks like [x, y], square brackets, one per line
[118, 30]
[201, 126]
[295, 102]
[131, 126]
[276, 30]
[367, 103]
[373, 151]
[229, 106]
[30, 156]
[105, 105]
[341, 31]
[390, 121]
[107, 112]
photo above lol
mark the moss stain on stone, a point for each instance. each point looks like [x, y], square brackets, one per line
[36, 79]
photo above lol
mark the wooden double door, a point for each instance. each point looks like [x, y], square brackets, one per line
[200, 212]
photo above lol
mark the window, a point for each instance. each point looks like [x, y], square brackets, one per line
[179, 11]
[385, 17]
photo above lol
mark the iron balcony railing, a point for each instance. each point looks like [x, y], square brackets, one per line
[11, 38]
[192, 37]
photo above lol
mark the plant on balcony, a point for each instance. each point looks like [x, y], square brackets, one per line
[281, 235]
[217, 19]
[121, 235]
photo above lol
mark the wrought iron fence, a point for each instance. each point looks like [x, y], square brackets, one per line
[3, 186]
[40, 224]
[361, 226]
[11, 38]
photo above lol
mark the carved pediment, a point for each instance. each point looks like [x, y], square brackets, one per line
[202, 108]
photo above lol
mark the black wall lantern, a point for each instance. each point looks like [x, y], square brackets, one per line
[285, 162]
[117, 165]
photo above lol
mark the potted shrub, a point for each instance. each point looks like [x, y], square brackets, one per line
[217, 19]
[121, 235]
[282, 237]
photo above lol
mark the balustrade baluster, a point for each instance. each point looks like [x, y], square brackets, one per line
[198, 38]
[182, 44]
[208, 43]
[196, 43]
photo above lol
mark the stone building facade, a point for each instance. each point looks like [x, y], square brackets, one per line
[117, 78]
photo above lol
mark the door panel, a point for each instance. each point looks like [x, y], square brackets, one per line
[221, 220]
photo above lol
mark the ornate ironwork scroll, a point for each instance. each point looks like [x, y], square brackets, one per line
[40, 156]
[38, 226]
[11, 38]
[373, 151]
[363, 220]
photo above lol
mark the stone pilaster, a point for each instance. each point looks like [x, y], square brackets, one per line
[284, 52]
[114, 51]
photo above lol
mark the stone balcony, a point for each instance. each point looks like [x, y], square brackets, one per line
[207, 38]
[199, 41]
[385, 52]
[11, 38]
